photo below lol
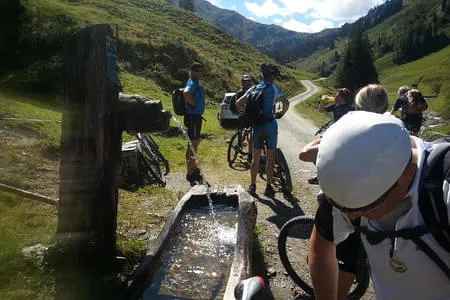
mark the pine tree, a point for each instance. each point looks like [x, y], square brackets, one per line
[356, 68]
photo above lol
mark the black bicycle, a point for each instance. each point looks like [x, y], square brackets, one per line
[143, 163]
[281, 173]
[293, 243]
[238, 149]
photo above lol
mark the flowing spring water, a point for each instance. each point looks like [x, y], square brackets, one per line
[195, 157]
[196, 263]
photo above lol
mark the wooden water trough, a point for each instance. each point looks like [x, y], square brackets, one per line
[233, 195]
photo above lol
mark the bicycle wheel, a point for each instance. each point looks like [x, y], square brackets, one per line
[233, 148]
[243, 141]
[155, 149]
[294, 238]
[151, 165]
[282, 173]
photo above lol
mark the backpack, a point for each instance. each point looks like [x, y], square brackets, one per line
[178, 102]
[416, 106]
[432, 206]
[254, 108]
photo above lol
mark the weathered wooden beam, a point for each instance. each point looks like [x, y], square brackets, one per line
[28, 194]
[90, 145]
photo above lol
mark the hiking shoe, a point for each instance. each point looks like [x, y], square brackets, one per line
[252, 189]
[269, 192]
[313, 180]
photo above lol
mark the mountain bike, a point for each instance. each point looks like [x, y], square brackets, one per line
[281, 173]
[293, 243]
[143, 163]
[238, 149]
[237, 159]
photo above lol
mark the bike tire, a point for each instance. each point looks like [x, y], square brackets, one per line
[155, 148]
[233, 149]
[305, 223]
[282, 172]
[242, 139]
[149, 176]
[151, 162]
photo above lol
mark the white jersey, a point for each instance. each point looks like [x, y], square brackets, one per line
[422, 278]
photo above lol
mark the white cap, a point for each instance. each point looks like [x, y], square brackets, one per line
[361, 156]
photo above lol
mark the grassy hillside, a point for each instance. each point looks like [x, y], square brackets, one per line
[433, 73]
[384, 38]
[433, 68]
[158, 42]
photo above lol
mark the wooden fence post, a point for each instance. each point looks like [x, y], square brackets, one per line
[90, 145]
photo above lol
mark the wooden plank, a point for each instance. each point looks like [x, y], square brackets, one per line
[28, 194]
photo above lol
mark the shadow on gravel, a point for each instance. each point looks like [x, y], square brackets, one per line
[284, 210]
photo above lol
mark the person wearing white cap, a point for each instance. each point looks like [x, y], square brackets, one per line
[369, 171]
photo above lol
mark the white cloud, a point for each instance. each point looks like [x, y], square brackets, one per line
[234, 7]
[315, 26]
[336, 10]
[267, 9]
[277, 21]
[215, 2]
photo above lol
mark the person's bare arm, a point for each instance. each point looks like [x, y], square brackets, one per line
[188, 98]
[240, 103]
[323, 266]
[322, 104]
[309, 152]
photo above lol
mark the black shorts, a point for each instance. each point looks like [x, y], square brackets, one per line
[194, 126]
[412, 122]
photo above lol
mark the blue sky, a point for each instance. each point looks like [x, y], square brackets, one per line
[300, 15]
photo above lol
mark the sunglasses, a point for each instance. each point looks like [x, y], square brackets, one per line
[365, 209]
[372, 206]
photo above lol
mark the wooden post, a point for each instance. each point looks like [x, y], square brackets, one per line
[90, 146]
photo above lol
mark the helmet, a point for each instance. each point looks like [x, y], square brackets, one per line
[403, 90]
[246, 78]
[268, 69]
[361, 157]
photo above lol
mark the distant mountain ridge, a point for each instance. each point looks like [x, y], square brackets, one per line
[286, 45]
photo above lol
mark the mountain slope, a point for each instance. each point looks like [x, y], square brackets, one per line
[430, 73]
[282, 44]
[157, 41]
[407, 29]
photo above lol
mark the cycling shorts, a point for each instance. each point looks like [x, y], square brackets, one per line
[268, 133]
[194, 126]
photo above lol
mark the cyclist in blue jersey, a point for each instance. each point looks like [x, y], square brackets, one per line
[194, 95]
[268, 131]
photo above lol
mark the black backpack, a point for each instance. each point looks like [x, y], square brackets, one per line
[254, 108]
[178, 102]
[435, 170]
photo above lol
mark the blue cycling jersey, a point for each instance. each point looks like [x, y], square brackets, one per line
[198, 92]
